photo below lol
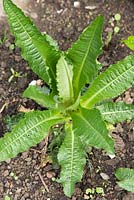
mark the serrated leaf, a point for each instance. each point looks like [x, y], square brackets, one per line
[37, 94]
[71, 157]
[64, 80]
[28, 132]
[111, 83]
[91, 129]
[84, 53]
[126, 177]
[41, 56]
[130, 42]
[116, 112]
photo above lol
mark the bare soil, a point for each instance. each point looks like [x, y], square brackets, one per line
[21, 177]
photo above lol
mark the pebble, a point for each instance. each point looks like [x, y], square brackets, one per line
[104, 176]
[6, 173]
[34, 15]
[76, 4]
[86, 196]
[50, 174]
[90, 7]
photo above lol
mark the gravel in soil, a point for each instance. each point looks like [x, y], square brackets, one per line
[27, 177]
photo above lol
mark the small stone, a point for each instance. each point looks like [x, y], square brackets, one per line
[34, 15]
[90, 7]
[6, 173]
[59, 11]
[104, 176]
[50, 174]
[76, 4]
[86, 196]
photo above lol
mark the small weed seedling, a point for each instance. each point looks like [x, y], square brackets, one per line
[15, 74]
[4, 38]
[83, 114]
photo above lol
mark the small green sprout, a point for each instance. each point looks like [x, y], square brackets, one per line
[7, 197]
[15, 74]
[99, 190]
[4, 39]
[117, 17]
[14, 176]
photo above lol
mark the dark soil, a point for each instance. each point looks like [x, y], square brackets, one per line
[20, 178]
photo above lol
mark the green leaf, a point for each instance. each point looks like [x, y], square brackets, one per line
[126, 177]
[71, 157]
[84, 53]
[90, 127]
[41, 56]
[64, 80]
[111, 83]
[28, 132]
[130, 42]
[39, 95]
[116, 112]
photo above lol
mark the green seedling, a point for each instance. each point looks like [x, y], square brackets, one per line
[7, 198]
[99, 190]
[14, 176]
[115, 28]
[117, 18]
[15, 74]
[83, 115]
[4, 39]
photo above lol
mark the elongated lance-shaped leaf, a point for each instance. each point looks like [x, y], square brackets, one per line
[84, 53]
[116, 112]
[71, 157]
[64, 80]
[28, 132]
[38, 94]
[126, 178]
[41, 56]
[91, 129]
[111, 83]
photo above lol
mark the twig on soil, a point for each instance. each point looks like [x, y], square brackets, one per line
[44, 184]
[3, 107]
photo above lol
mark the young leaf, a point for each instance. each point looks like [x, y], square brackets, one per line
[116, 112]
[64, 80]
[84, 53]
[91, 129]
[28, 132]
[37, 94]
[71, 157]
[111, 83]
[41, 56]
[126, 178]
[130, 42]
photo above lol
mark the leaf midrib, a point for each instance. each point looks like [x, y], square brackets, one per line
[28, 130]
[94, 129]
[114, 112]
[72, 155]
[76, 80]
[30, 38]
[85, 103]
[69, 81]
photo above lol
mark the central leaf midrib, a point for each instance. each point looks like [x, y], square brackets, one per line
[72, 155]
[114, 112]
[103, 88]
[69, 82]
[30, 38]
[76, 80]
[28, 130]
[94, 129]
